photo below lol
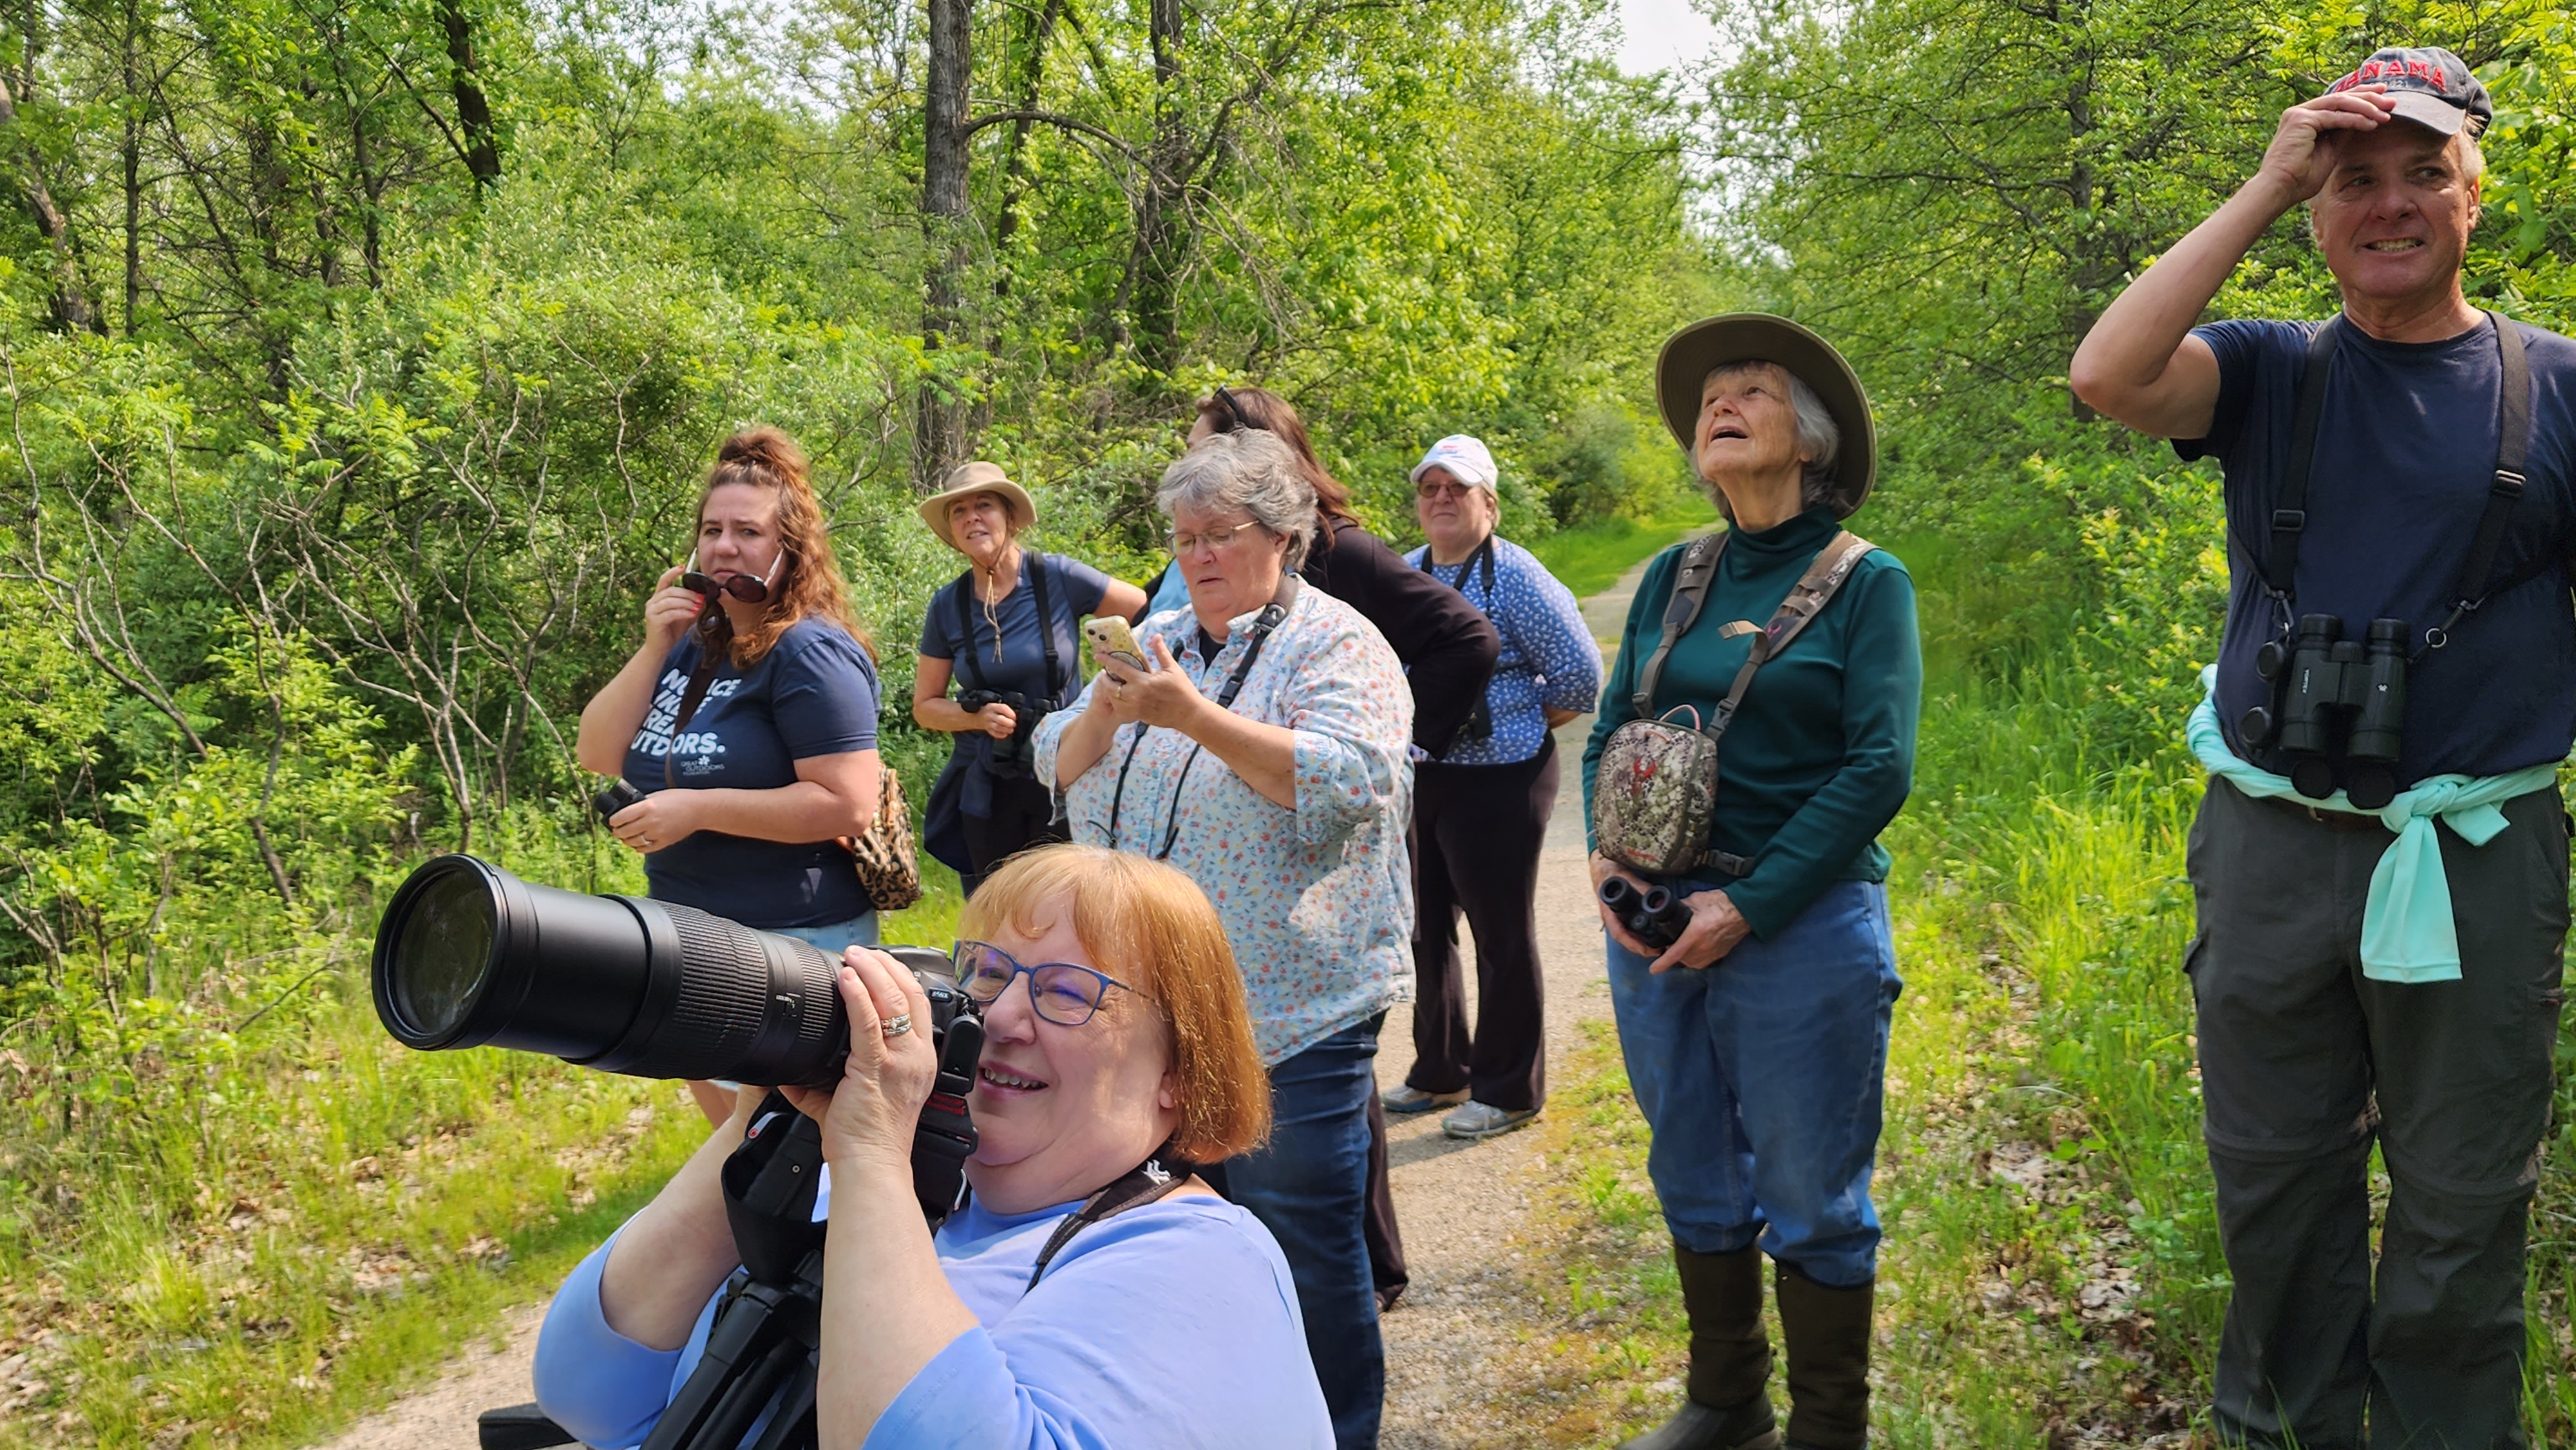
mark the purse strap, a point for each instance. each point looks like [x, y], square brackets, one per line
[1814, 590]
[1681, 610]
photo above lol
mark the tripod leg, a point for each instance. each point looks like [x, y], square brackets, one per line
[791, 1425]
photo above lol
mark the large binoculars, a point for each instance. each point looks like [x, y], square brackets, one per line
[1654, 916]
[2328, 690]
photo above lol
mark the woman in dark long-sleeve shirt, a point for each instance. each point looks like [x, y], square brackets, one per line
[1757, 1042]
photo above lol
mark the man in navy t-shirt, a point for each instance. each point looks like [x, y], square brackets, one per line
[2307, 1054]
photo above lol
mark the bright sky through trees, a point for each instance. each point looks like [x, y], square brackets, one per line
[1660, 34]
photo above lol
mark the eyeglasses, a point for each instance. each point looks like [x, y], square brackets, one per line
[1210, 539]
[1233, 410]
[749, 588]
[1434, 488]
[1063, 993]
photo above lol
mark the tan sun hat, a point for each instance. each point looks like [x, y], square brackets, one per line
[973, 478]
[1712, 343]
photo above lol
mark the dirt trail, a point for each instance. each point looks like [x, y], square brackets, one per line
[1455, 1341]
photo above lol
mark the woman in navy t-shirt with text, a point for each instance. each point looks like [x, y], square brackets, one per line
[776, 755]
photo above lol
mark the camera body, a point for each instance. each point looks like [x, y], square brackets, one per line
[1013, 756]
[2329, 691]
[1655, 916]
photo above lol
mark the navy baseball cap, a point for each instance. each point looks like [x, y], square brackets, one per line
[2432, 88]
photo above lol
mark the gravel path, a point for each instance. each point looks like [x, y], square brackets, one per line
[1453, 1343]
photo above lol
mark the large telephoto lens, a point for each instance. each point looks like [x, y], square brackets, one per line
[469, 955]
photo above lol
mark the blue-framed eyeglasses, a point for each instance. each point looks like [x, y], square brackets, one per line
[1063, 993]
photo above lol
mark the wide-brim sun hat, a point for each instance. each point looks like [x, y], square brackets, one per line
[968, 479]
[1712, 343]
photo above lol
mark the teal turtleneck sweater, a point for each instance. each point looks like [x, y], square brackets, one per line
[1821, 753]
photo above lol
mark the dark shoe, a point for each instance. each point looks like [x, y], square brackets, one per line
[1748, 1426]
[1827, 1331]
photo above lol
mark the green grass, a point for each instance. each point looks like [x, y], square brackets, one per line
[1591, 558]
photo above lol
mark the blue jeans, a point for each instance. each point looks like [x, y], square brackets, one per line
[1309, 1186]
[838, 937]
[1761, 1078]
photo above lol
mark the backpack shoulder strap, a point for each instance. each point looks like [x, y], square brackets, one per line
[1046, 626]
[964, 635]
[1681, 610]
[2504, 487]
[1814, 590]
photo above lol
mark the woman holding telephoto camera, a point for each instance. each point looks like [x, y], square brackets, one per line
[1753, 1015]
[1256, 740]
[1005, 632]
[1116, 1043]
[746, 722]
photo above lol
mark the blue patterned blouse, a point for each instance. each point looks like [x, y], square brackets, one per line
[1549, 660]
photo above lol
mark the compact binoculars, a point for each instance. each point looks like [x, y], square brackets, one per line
[1654, 916]
[2327, 689]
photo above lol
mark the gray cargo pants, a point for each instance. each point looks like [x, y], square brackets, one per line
[2304, 1061]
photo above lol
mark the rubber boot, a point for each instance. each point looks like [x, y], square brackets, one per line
[1730, 1359]
[1827, 1331]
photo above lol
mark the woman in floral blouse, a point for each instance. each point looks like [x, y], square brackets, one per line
[1263, 752]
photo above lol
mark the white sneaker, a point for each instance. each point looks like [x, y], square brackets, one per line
[1406, 1098]
[1483, 1120]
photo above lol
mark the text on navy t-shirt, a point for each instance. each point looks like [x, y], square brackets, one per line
[814, 693]
[2406, 450]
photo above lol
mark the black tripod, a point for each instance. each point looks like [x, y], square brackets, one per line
[761, 1352]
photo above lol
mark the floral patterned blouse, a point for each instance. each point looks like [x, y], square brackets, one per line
[1317, 901]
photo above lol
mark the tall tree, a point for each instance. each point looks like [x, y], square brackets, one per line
[942, 434]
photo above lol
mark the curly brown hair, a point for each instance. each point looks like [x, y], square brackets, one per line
[807, 583]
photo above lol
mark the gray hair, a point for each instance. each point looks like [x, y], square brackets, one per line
[1819, 436]
[1248, 470]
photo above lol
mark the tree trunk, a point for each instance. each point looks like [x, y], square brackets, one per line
[70, 304]
[473, 112]
[1162, 239]
[130, 157]
[1040, 30]
[942, 436]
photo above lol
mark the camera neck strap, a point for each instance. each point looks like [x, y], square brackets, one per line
[1147, 1182]
[2279, 566]
[1265, 624]
[1483, 559]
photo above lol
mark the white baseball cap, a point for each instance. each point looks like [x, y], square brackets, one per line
[1466, 458]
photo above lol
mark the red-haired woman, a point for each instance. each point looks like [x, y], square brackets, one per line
[749, 713]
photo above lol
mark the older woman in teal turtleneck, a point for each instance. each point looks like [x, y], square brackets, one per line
[1757, 1043]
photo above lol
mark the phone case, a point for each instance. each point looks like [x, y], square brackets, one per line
[1112, 639]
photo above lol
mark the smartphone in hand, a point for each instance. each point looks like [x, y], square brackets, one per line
[1111, 639]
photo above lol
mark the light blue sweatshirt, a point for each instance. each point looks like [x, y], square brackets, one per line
[1168, 1325]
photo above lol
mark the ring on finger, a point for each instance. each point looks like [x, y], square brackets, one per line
[896, 1025]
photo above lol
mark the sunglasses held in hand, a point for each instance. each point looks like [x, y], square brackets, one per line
[749, 588]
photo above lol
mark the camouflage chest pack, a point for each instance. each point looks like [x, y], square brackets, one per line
[1656, 784]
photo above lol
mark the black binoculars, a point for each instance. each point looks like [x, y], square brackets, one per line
[1654, 916]
[2324, 687]
[1016, 754]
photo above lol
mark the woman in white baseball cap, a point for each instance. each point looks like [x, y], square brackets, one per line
[1480, 811]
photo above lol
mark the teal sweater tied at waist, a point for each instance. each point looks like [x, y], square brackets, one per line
[2407, 934]
[1821, 753]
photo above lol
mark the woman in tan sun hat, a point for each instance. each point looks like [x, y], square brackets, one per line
[1755, 1025]
[1006, 633]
